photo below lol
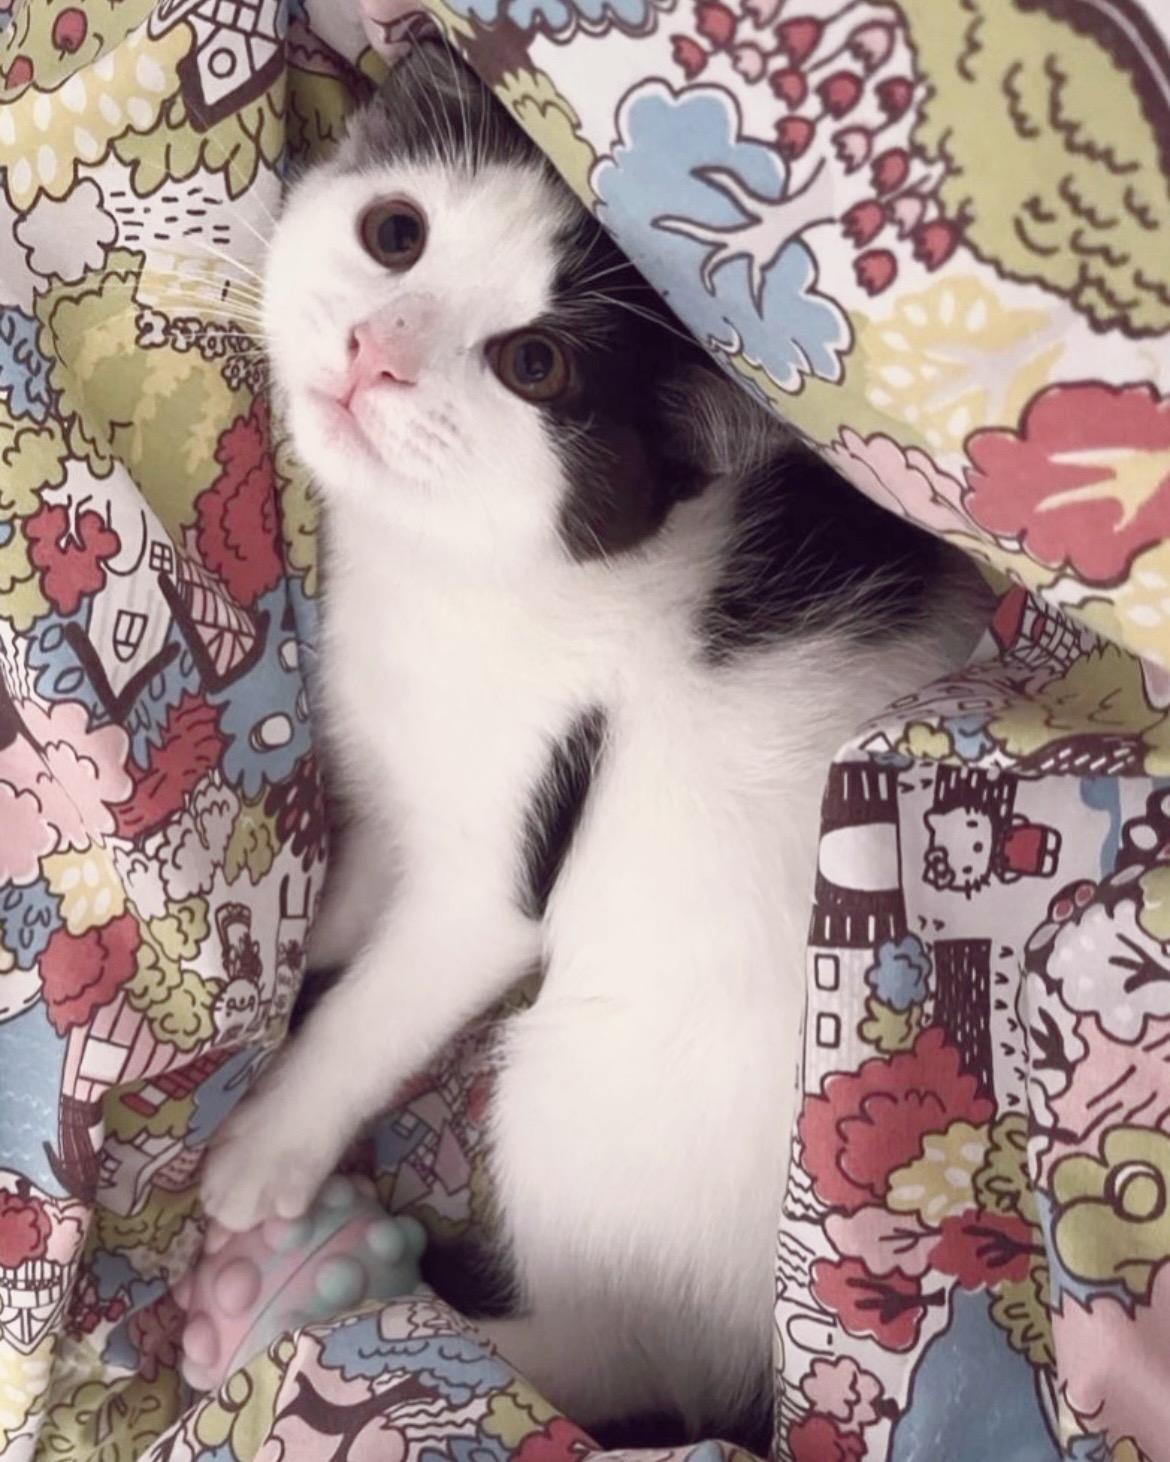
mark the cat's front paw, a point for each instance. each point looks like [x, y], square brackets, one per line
[266, 1161]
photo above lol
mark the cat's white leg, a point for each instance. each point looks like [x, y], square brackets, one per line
[638, 1161]
[357, 894]
[436, 962]
[643, 1111]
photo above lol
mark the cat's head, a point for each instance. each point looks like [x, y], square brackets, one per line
[458, 344]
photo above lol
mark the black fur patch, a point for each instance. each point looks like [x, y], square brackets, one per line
[612, 431]
[432, 109]
[811, 552]
[556, 809]
[472, 1275]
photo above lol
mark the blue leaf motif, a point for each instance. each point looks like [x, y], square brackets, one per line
[24, 370]
[714, 221]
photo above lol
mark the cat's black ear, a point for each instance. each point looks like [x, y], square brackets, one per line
[433, 108]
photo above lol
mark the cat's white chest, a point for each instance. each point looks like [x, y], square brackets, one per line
[445, 697]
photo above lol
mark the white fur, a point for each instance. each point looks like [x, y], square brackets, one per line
[642, 1117]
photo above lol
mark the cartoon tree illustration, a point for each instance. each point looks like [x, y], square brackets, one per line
[851, 77]
[1085, 203]
[889, 1307]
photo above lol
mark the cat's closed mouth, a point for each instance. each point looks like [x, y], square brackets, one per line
[341, 419]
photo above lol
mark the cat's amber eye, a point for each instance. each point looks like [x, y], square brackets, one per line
[393, 232]
[532, 364]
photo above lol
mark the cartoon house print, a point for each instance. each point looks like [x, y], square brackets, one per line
[857, 904]
[1035, 634]
[976, 836]
[117, 1047]
[962, 1004]
[120, 1047]
[421, 1146]
[858, 898]
[237, 53]
[806, 1330]
[129, 1170]
[129, 617]
[259, 994]
[150, 586]
[42, 1237]
[292, 933]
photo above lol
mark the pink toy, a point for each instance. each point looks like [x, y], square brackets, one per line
[247, 1289]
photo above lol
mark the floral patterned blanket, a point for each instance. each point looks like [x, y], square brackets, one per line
[933, 234]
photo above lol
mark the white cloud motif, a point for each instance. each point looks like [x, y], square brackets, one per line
[70, 236]
[195, 843]
[1108, 966]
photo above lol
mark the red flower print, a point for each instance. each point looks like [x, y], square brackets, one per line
[689, 55]
[715, 23]
[82, 972]
[866, 1124]
[890, 170]
[890, 1307]
[20, 73]
[24, 1227]
[192, 744]
[894, 96]
[789, 86]
[238, 533]
[840, 93]
[935, 242]
[985, 1249]
[559, 1441]
[864, 221]
[793, 135]
[875, 270]
[799, 38]
[69, 549]
[1084, 482]
[819, 1439]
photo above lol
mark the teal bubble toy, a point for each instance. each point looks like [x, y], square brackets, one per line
[250, 1288]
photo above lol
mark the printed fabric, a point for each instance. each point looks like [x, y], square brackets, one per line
[933, 235]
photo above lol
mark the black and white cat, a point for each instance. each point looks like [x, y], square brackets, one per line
[593, 628]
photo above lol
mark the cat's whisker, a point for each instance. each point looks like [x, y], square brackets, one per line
[244, 221]
[225, 290]
[614, 302]
[225, 258]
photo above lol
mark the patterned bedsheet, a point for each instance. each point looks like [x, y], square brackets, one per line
[934, 235]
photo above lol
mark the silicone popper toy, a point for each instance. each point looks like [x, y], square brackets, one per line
[249, 1288]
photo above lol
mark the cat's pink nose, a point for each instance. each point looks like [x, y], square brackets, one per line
[383, 353]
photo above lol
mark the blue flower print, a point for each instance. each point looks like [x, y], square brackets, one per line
[899, 973]
[712, 220]
[29, 917]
